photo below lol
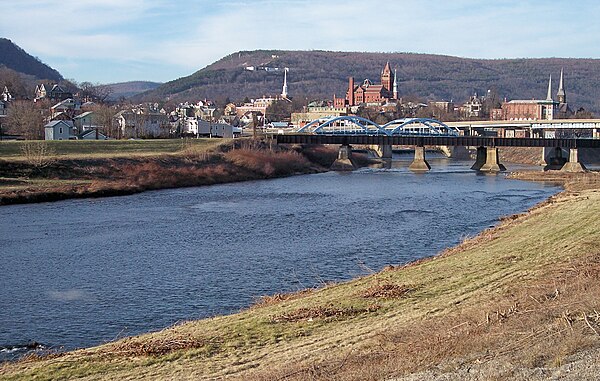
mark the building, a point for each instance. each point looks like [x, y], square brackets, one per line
[65, 109]
[59, 130]
[92, 134]
[533, 109]
[142, 123]
[317, 110]
[256, 105]
[473, 108]
[52, 92]
[368, 92]
[6, 96]
[85, 121]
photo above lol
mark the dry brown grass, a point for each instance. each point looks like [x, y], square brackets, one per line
[386, 290]
[539, 325]
[192, 166]
[322, 312]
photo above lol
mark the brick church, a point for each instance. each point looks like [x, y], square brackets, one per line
[368, 92]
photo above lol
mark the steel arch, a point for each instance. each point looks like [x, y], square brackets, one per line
[314, 122]
[432, 127]
[361, 126]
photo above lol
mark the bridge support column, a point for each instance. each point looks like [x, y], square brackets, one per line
[542, 161]
[384, 151]
[344, 162]
[419, 164]
[556, 160]
[492, 161]
[573, 165]
[480, 159]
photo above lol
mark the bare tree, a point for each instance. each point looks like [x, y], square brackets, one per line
[38, 154]
[26, 118]
[104, 118]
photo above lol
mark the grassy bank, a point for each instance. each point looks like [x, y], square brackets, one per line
[516, 300]
[119, 168]
[81, 149]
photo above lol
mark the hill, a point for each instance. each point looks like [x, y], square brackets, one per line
[15, 58]
[320, 74]
[129, 89]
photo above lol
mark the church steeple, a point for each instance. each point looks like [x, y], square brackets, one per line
[561, 95]
[549, 96]
[395, 84]
[284, 92]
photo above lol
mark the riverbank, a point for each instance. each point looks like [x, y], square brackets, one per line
[118, 171]
[518, 300]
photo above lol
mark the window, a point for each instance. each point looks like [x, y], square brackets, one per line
[60, 130]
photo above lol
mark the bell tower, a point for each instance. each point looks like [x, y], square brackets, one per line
[387, 77]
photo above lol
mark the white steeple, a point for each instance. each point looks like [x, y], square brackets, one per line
[561, 95]
[395, 84]
[549, 96]
[284, 92]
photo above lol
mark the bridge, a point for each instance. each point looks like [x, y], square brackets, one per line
[420, 132]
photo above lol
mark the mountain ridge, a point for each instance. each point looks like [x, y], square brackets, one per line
[320, 74]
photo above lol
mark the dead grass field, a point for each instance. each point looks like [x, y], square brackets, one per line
[135, 166]
[523, 294]
[82, 149]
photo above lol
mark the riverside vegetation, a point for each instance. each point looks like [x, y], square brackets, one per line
[518, 301]
[35, 171]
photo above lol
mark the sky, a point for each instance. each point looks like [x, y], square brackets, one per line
[109, 41]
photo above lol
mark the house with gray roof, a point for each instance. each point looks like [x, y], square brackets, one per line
[59, 130]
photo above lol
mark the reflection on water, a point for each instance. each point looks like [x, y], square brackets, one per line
[81, 272]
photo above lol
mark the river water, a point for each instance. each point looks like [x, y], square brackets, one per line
[78, 273]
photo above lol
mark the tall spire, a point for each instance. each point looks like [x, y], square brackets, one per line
[284, 91]
[561, 95]
[549, 96]
[395, 84]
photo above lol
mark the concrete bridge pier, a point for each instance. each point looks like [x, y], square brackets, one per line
[492, 161]
[480, 158]
[384, 151]
[543, 161]
[573, 165]
[556, 160]
[419, 164]
[344, 161]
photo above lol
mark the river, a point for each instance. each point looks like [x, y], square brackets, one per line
[79, 273]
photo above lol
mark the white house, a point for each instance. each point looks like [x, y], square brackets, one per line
[85, 121]
[59, 130]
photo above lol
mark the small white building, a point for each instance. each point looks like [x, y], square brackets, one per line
[59, 130]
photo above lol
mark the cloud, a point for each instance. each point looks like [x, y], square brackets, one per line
[163, 39]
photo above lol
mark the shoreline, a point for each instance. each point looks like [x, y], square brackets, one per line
[285, 302]
[107, 177]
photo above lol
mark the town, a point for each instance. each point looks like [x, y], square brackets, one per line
[65, 111]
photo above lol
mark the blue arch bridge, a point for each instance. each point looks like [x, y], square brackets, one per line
[346, 131]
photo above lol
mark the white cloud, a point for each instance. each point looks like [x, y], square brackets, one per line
[188, 35]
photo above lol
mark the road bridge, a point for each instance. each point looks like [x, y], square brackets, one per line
[418, 132]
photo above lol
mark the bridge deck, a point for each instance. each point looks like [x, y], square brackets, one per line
[474, 141]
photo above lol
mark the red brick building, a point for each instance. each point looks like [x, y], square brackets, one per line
[368, 92]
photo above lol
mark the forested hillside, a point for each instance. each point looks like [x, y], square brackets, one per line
[321, 74]
[15, 58]
[128, 89]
